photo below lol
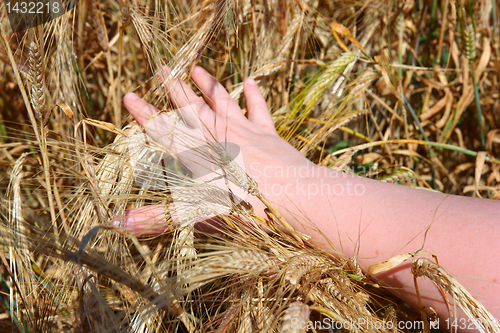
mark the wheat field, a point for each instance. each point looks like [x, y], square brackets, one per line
[405, 92]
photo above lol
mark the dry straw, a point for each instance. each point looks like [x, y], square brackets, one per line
[336, 74]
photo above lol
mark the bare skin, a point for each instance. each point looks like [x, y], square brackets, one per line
[372, 220]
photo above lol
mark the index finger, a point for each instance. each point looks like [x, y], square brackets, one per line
[186, 142]
[185, 98]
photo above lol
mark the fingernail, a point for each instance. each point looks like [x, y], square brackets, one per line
[198, 70]
[251, 81]
[121, 221]
[131, 96]
[117, 222]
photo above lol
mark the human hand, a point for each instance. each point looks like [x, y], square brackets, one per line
[264, 155]
[371, 220]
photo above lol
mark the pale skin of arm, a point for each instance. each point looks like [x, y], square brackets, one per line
[372, 220]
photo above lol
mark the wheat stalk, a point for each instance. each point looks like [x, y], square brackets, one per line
[477, 313]
[244, 278]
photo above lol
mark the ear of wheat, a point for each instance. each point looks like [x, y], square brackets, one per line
[67, 267]
[37, 80]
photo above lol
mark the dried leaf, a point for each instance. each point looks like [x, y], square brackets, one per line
[338, 28]
[67, 111]
[480, 159]
[393, 262]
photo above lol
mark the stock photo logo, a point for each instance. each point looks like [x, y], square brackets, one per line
[25, 14]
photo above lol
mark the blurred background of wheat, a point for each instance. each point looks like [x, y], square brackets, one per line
[410, 86]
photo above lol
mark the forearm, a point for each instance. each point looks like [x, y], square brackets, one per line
[376, 221]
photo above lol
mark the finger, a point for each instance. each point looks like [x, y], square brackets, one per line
[156, 219]
[185, 99]
[216, 95]
[178, 91]
[142, 221]
[138, 108]
[183, 141]
[256, 105]
[152, 220]
[192, 108]
[159, 126]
